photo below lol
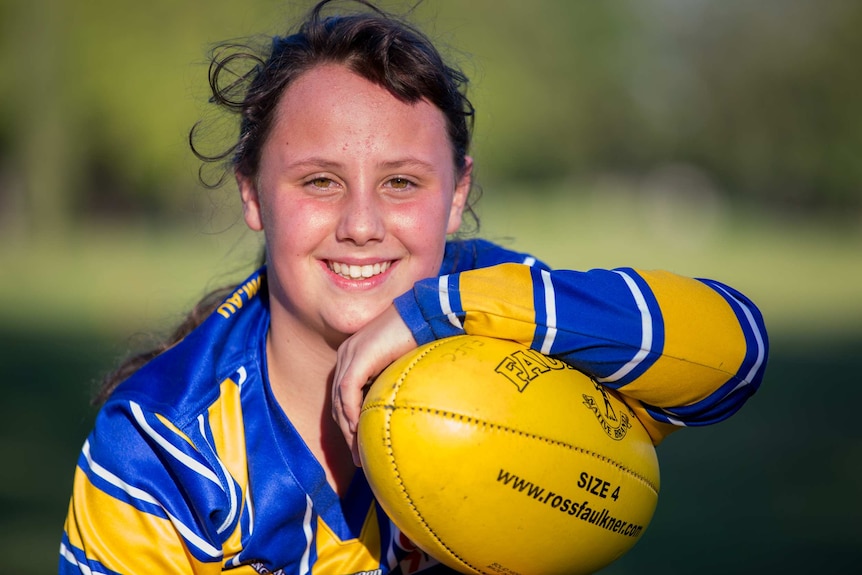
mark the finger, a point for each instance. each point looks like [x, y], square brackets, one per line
[354, 450]
[338, 398]
[350, 390]
[347, 392]
[340, 409]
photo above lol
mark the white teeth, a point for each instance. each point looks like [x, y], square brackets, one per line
[355, 272]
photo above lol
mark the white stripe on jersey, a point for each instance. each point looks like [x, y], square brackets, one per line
[443, 288]
[761, 348]
[646, 332]
[67, 554]
[309, 537]
[239, 557]
[243, 375]
[529, 261]
[116, 481]
[550, 313]
[195, 466]
[230, 488]
[250, 508]
[675, 421]
[142, 495]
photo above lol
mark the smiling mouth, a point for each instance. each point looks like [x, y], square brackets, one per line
[355, 272]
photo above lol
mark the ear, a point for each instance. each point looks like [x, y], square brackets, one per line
[251, 210]
[459, 199]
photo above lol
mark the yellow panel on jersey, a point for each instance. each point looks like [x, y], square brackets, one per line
[514, 315]
[119, 536]
[657, 430]
[176, 430]
[703, 347]
[226, 423]
[337, 557]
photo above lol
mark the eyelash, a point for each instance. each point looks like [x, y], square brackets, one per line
[315, 181]
[406, 183]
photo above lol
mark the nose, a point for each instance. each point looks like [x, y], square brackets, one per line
[362, 219]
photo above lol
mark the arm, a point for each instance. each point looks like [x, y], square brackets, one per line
[136, 489]
[683, 352]
[367, 352]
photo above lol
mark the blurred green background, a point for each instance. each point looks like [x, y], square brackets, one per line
[712, 138]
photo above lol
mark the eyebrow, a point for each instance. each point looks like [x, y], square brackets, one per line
[312, 162]
[409, 162]
[315, 162]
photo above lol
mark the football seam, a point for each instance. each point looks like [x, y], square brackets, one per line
[390, 409]
[394, 465]
[475, 420]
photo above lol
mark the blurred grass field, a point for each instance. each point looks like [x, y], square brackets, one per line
[772, 489]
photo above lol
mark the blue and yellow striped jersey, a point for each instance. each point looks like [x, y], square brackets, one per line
[682, 352]
[192, 467]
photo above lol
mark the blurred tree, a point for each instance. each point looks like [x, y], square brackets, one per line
[761, 96]
[550, 99]
[100, 97]
[40, 124]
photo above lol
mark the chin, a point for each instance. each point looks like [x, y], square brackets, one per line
[349, 326]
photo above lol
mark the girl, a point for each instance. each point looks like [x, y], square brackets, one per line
[220, 453]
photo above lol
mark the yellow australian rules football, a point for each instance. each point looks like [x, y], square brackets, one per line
[496, 459]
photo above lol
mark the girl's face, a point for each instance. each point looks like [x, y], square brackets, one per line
[355, 193]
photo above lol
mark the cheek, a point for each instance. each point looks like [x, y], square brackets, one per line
[296, 224]
[422, 228]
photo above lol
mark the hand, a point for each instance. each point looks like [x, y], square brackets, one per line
[361, 358]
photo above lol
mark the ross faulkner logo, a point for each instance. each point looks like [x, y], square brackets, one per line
[525, 365]
[571, 506]
[615, 426]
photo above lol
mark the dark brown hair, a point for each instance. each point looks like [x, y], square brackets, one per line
[248, 82]
[375, 45]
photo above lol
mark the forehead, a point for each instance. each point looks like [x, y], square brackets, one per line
[333, 97]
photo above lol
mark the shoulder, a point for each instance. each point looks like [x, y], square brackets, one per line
[464, 255]
[184, 380]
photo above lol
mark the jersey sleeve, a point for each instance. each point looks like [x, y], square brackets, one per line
[139, 494]
[681, 351]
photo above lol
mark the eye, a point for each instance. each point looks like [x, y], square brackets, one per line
[399, 183]
[321, 182]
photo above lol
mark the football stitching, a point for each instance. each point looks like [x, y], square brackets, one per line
[470, 419]
[389, 410]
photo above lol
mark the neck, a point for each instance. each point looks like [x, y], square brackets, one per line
[301, 366]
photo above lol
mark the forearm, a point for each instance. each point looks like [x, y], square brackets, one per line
[695, 348]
